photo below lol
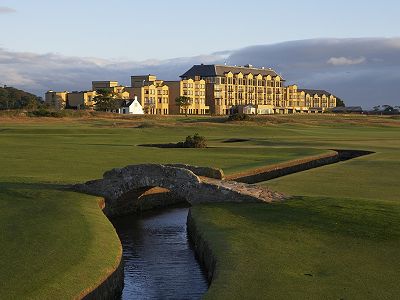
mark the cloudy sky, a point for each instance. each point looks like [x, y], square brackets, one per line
[351, 48]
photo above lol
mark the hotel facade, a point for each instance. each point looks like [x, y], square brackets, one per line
[195, 90]
[230, 87]
[212, 89]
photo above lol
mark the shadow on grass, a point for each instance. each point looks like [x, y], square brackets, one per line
[349, 217]
[101, 144]
[189, 120]
[33, 186]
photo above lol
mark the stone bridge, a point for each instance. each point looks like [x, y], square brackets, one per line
[121, 187]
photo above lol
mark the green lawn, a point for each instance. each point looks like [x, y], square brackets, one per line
[55, 243]
[338, 238]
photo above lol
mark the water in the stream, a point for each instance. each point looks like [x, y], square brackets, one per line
[159, 261]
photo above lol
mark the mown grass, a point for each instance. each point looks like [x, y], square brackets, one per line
[306, 248]
[57, 243]
[338, 238]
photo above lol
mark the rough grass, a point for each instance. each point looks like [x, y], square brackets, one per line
[55, 243]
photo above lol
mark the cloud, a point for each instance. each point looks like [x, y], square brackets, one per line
[342, 61]
[368, 74]
[6, 10]
[361, 71]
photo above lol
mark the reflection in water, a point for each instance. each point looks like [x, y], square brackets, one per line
[159, 262]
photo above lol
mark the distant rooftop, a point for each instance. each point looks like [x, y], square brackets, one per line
[313, 92]
[220, 70]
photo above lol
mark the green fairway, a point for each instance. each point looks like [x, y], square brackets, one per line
[55, 243]
[338, 238]
[307, 248]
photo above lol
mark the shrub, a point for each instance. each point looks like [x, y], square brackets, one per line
[239, 117]
[45, 113]
[195, 141]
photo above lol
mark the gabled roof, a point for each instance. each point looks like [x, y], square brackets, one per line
[313, 92]
[220, 70]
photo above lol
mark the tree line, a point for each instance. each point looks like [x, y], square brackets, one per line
[12, 98]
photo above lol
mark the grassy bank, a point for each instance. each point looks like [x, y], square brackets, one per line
[55, 243]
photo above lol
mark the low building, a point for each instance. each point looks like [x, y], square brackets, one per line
[131, 107]
[81, 100]
[96, 85]
[195, 89]
[57, 100]
[247, 110]
[317, 100]
[151, 93]
[347, 110]
[113, 86]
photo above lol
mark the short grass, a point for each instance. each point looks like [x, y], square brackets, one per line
[306, 248]
[55, 243]
[337, 238]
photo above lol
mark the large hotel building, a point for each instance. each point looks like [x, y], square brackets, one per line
[231, 88]
[212, 89]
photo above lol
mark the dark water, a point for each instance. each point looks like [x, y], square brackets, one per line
[159, 261]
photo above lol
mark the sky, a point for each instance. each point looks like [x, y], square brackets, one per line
[43, 39]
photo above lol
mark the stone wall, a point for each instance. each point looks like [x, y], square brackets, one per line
[202, 249]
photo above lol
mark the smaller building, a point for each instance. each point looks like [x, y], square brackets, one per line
[130, 107]
[81, 100]
[113, 86]
[347, 110]
[247, 109]
[57, 100]
[151, 93]
[96, 85]
[318, 100]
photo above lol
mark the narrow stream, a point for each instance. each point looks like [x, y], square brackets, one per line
[159, 261]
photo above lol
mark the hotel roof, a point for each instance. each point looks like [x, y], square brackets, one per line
[220, 70]
[313, 92]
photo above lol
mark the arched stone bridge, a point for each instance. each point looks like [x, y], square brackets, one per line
[195, 184]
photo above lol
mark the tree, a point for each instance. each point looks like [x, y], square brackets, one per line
[148, 107]
[340, 103]
[184, 103]
[12, 98]
[106, 100]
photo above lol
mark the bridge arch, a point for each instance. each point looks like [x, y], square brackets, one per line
[121, 184]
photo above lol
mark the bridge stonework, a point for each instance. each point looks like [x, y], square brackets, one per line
[120, 187]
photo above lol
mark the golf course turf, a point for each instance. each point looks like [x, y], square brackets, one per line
[338, 237]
